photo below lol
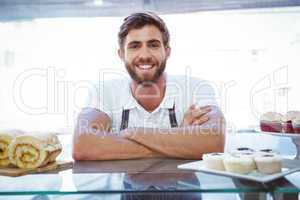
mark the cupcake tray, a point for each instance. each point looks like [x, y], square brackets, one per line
[288, 166]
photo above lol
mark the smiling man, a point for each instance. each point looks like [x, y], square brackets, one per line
[153, 114]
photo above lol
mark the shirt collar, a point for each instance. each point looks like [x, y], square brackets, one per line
[167, 102]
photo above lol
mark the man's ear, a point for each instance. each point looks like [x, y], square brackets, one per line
[121, 54]
[168, 52]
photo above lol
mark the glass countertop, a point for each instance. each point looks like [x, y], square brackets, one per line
[151, 176]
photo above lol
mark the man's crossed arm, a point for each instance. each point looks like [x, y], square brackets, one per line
[201, 131]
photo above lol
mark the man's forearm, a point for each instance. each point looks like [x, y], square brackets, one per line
[94, 141]
[189, 142]
[186, 142]
[108, 147]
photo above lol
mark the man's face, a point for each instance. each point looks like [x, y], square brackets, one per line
[144, 54]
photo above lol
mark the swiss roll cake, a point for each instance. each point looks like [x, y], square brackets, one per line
[31, 151]
[6, 137]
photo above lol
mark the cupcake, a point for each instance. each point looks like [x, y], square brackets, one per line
[296, 125]
[264, 151]
[271, 122]
[239, 163]
[287, 121]
[243, 150]
[214, 161]
[268, 163]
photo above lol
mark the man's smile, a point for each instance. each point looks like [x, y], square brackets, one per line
[145, 66]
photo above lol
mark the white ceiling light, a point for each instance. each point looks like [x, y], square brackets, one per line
[98, 2]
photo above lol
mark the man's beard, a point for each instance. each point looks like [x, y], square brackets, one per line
[146, 81]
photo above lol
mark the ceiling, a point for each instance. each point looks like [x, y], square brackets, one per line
[31, 9]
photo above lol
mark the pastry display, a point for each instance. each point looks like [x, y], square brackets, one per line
[296, 125]
[287, 121]
[271, 122]
[275, 122]
[33, 151]
[245, 160]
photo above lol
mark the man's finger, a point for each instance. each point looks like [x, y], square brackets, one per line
[193, 106]
[201, 120]
[205, 107]
[200, 112]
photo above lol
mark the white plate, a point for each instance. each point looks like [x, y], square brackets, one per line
[291, 135]
[288, 166]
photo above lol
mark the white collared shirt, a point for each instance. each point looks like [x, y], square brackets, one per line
[115, 95]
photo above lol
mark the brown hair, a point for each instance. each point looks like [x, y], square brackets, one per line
[139, 20]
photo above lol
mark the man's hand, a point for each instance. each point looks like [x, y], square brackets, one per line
[195, 115]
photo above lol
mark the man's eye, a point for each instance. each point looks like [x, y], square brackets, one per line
[133, 46]
[154, 45]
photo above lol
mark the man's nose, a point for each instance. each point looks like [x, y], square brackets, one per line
[145, 53]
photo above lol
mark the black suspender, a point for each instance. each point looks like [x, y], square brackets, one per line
[172, 117]
[125, 118]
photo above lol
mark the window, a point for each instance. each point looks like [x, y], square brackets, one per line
[251, 56]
